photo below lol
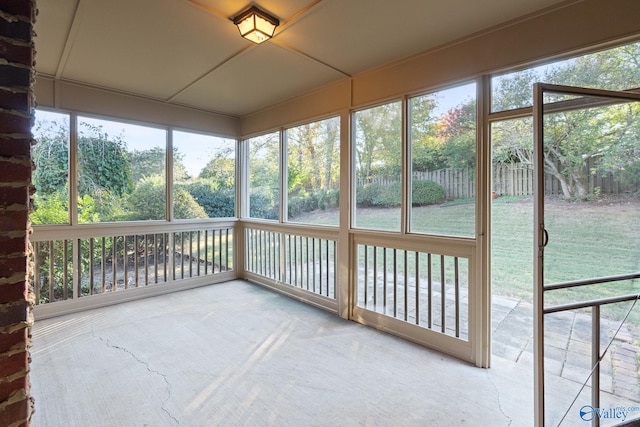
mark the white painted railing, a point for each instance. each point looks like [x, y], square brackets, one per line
[297, 260]
[75, 262]
[417, 287]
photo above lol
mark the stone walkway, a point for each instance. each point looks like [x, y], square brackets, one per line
[568, 346]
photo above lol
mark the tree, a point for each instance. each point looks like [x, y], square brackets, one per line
[458, 133]
[221, 169]
[426, 148]
[331, 154]
[103, 162]
[218, 202]
[313, 157]
[378, 140]
[148, 201]
[575, 139]
[51, 157]
[264, 175]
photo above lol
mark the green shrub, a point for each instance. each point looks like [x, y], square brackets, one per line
[426, 193]
[329, 199]
[377, 195]
[51, 208]
[366, 194]
[389, 195]
[185, 206]
[305, 202]
[262, 205]
[217, 202]
[148, 201]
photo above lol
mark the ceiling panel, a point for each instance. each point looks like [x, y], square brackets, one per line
[281, 9]
[357, 35]
[262, 76]
[53, 24]
[188, 52]
[149, 47]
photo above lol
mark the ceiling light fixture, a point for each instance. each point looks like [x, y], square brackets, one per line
[256, 25]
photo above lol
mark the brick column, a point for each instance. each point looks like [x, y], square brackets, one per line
[16, 299]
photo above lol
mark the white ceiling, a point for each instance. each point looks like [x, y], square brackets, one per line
[188, 52]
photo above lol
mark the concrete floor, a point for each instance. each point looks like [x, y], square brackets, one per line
[236, 354]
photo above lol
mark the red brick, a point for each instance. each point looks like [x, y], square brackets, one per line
[12, 245]
[14, 291]
[18, 30]
[15, 76]
[13, 364]
[11, 340]
[14, 220]
[14, 123]
[14, 147]
[14, 172]
[7, 389]
[15, 413]
[14, 313]
[12, 195]
[11, 76]
[23, 8]
[16, 53]
[12, 100]
[12, 264]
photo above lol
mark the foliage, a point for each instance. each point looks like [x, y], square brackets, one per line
[103, 162]
[148, 201]
[262, 205]
[313, 156]
[426, 193]
[221, 169]
[51, 157]
[389, 195]
[606, 136]
[216, 201]
[87, 209]
[458, 133]
[427, 154]
[153, 162]
[56, 276]
[313, 167]
[185, 206]
[378, 139]
[52, 208]
[308, 202]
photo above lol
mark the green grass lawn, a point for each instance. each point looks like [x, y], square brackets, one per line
[586, 239]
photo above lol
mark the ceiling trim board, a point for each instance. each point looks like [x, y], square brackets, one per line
[296, 16]
[206, 8]
[209, 72]
[299, 52]
[60, 82]
[70, 40]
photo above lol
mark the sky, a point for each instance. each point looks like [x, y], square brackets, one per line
[197, 148]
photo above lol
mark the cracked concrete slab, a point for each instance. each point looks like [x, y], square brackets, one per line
[237, 354]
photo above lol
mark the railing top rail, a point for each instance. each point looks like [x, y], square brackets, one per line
[61, 232]
[591, 281]
[590, 303]
[452, 246]
[328, 232]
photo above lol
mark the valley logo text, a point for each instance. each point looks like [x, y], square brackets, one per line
[588, 413]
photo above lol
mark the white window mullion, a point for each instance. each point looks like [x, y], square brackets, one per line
[405, 170]
[284, 190]
[169, 175]
[73, 169]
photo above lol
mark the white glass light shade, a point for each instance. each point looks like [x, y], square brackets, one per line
[256, 25]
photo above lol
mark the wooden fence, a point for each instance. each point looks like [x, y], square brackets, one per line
[514, 179]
